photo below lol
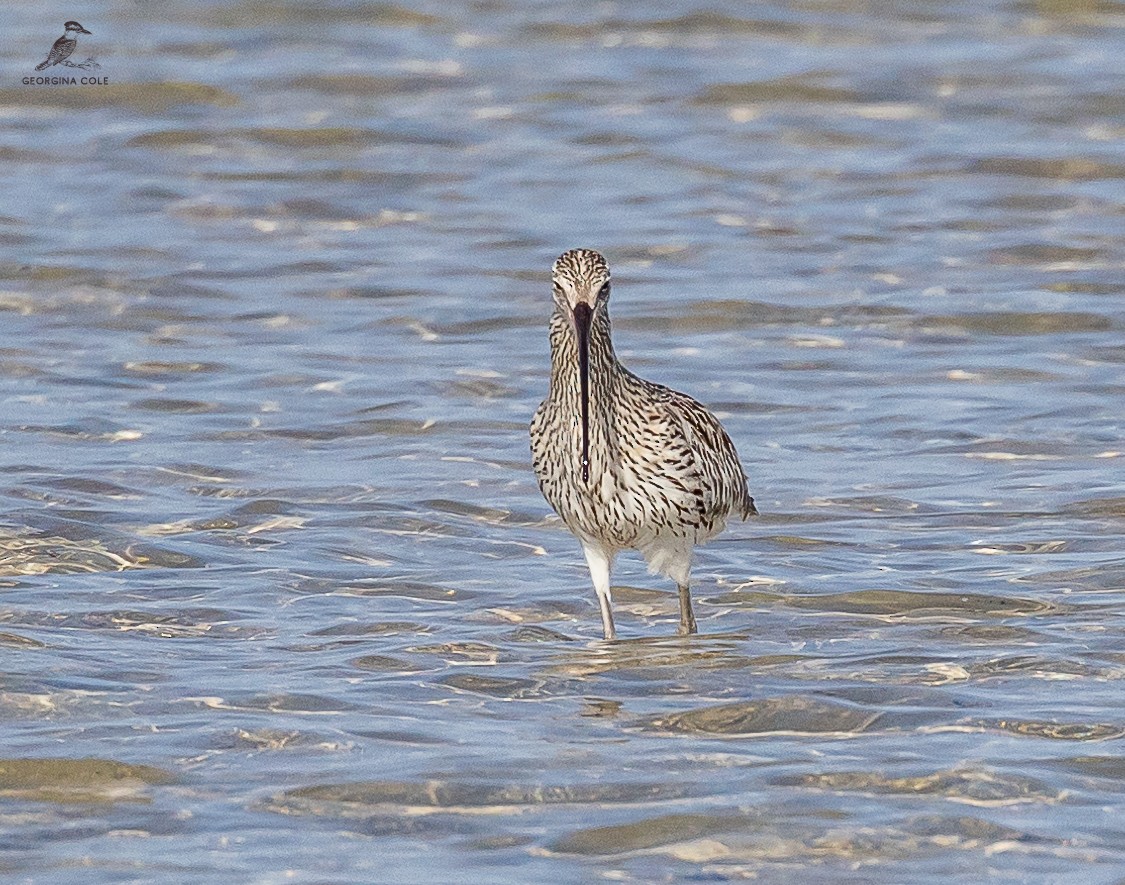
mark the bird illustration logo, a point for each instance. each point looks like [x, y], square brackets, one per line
[64, 47]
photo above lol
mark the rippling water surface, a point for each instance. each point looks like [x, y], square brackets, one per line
[279, 598]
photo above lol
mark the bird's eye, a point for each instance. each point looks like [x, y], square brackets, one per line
[603, 292]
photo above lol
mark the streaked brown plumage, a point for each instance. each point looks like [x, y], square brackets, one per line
[627, 464]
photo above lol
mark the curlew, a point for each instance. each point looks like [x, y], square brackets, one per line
[627, 464]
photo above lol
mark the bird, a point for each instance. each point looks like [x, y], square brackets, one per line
[627, 464]
[64, 46]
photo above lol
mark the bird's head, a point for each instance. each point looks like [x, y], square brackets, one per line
[580, 277]
[73, 27]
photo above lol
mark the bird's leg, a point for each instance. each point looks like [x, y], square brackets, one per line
[607, 617]
[687, 616]
[600, 563]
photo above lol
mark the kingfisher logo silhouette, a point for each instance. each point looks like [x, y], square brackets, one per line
[64, 48]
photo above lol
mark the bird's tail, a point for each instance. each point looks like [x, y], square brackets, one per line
[42, 65]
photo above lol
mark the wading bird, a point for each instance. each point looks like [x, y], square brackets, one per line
[627, 464]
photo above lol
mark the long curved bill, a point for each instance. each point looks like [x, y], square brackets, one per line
[583, 316]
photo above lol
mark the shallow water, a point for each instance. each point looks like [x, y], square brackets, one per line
[279, 599]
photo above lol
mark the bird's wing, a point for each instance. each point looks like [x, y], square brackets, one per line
[61, 50]
[716, 464]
